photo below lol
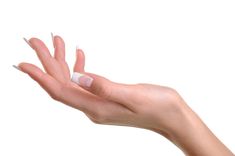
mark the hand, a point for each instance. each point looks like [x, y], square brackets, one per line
[103, 101]
[152, 107]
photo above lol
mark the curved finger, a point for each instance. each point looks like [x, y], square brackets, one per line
[51, 65]
[48, 83]
[42, 52]
[41, 49]
[73, 96]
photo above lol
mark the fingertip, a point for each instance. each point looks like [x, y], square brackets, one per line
[34, 42]
[81, 56]
[58, 38]
[80, 61]
[59, 46]
[33, 39]
[28, 68]
[80, 53]
[22, 66]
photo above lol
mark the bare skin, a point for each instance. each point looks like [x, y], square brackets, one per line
[157, 108]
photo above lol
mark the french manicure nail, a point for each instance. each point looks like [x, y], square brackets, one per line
[81, 79]
[28, 42]
[52, 37]
[16, 67]
[77, 47]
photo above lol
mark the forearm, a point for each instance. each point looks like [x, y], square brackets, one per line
[194, 138]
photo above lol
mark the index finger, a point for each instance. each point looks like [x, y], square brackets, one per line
[42, 52]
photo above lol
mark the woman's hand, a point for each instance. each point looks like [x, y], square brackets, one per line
[147, 106]
[103, 101]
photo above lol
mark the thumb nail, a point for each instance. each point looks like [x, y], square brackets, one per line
[82, 79]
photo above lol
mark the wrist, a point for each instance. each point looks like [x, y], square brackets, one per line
[193, 137]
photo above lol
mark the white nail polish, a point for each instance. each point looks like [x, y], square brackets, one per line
[82, 79]
[52, 37]
[16, 67]
[75, 77]
[77, 47]
[28, 42]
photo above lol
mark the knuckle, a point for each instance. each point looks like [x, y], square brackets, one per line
[56, 93]
[53, 96]
[99, 117]
[103, 91]
[96, 121]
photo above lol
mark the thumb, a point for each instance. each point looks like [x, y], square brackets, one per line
[102, 87]
[99, 85]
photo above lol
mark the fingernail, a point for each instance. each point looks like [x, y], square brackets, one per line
[28, 43]
[77, 47]
[16, 67]
[52, 37]
[81, 79]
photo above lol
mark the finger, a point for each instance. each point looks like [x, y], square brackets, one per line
[72, 96]
[47, 82]
[80, 61]
[51, 65]
[48, 62]
[102, 87]
[59, 54]
[42, 52]
[59, 48]
[100, 109]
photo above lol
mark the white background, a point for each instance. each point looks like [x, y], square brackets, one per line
[187, 45]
